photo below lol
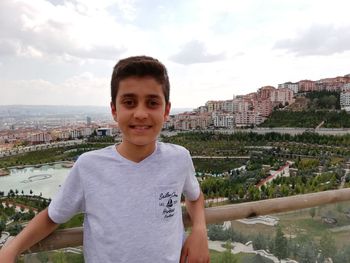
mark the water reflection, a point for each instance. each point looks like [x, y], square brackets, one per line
[36, 178]
[44, 180]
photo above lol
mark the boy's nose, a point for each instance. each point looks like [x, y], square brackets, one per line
[140, 113]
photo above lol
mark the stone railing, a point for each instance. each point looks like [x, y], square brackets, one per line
[74, 236]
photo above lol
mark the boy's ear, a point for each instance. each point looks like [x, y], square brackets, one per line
[113, 111]
[167, 111]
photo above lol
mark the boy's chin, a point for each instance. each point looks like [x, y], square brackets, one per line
[142, 143]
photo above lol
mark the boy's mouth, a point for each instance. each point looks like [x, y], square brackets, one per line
[140, 127]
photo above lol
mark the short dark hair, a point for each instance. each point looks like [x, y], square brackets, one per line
[140, 66]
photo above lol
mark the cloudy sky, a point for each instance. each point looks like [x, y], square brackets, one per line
[61, 52]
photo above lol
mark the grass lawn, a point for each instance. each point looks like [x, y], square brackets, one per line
[216, 257]
[300, 222]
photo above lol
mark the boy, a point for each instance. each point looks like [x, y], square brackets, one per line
[130, 193]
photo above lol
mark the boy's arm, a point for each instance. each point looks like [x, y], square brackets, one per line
[37, 229]
[195, 248]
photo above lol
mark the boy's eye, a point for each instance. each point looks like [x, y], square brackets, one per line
[153, 103]
[128, 103]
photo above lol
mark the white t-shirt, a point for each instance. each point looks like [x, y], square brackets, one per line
[132, 210]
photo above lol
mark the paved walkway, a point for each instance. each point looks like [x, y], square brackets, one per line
[246, 248]
[4, 237]
[265, 220]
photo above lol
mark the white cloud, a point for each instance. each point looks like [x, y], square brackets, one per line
[318, 40]
[57, 31]
[195, 52]
[213, 49]
[84, 89]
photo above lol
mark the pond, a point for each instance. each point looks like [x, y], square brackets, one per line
[45, 180]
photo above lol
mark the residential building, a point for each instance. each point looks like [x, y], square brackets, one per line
[264, 107]
[282, 96]
[289, 85]
[223, 120]
[266, 92]
[247, 118]
[346, 87]
[41, 137]
[189, 121]
[214, 105]
[345, 100]
[228, 105]
[306, 86]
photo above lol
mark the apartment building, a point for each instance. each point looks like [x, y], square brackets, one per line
[223, 120]
[306, 86]
[201, 109]
[289, 85]
[345, 100]
[247, 118]
[332, 84]
[283, 96]
[40, 137]
[220, 105]
[214, 105]
[266, 92]
[189, 121]
[264, 107]
[278, 96]
[228, 105]
[243, 103]
[346, 87]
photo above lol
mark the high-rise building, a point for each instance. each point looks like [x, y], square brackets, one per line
[88, 121]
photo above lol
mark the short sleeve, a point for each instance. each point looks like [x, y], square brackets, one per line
[191, 189]
[69, 199]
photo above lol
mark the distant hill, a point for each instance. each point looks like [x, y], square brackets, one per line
[60, 110]
[49, 110]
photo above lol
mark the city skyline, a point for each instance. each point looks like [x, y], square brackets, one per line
[62, 52]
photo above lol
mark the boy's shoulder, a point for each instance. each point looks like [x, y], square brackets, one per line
[172, 149]
[96, 154]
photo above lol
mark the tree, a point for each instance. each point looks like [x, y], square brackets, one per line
[61, 257]
[216, 232]
[2, 226]
[260, 242]
[16, 217]
[304, 249]
[281, 246]
[307, 253]
[227, 256]
[31, 214]
[312, 212]
[327, 246]
[11, 193]
[43, 257]
[343, 255]
[14, 229]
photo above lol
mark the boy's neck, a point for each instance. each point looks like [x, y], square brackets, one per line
[134, 152]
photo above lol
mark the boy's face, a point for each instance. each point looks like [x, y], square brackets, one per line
[140, 110]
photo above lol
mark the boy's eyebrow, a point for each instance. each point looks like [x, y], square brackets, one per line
[132, 95]
[128, 95]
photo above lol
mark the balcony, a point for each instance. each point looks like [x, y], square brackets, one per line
[294, 205]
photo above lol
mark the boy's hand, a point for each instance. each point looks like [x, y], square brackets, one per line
[6, 256]
[195, 249]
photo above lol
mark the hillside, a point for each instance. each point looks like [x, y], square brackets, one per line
[309, 111]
